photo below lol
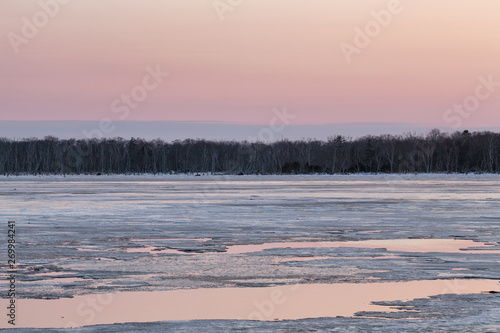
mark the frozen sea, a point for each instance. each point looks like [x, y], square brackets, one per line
[202, 236]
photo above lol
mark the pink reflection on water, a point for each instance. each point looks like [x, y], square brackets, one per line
[86, 249]
[66, 280]
[302, 259]
[51, 273]
[170, 239]
[270, 303]
[399, 245]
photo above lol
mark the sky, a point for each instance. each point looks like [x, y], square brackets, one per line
[426, 62]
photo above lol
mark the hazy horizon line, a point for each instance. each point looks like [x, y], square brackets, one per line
[213, 130]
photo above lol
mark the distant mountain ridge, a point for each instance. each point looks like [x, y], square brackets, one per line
[176, 130]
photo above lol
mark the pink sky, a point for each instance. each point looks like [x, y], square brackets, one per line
[264, 54]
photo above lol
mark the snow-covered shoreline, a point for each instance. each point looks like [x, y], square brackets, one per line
[197, 176]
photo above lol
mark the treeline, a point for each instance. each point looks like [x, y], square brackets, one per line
[435, 152]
